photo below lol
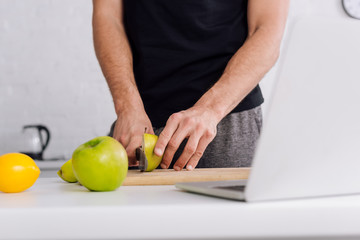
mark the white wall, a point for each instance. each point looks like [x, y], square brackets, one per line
[49, 73]
[299, 9]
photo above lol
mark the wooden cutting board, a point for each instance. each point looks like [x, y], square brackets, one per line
[170, 176]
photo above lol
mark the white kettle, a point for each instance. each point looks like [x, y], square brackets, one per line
[35, 138]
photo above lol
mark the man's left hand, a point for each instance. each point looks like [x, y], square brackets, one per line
[196, 124]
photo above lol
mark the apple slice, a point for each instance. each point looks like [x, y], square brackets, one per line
[145, 153]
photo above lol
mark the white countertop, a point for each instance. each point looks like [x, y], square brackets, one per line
[55, 209]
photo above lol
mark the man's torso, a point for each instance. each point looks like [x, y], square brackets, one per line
[181, 48]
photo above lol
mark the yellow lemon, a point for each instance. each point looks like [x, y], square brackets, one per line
[66, 172]
[18, 172]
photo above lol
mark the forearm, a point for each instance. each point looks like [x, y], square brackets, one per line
[243, 72]
[266, 23]
[114, 55]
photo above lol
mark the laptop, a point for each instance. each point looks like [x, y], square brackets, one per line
[310, 142]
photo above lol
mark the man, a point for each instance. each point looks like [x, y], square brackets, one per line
[188, 70]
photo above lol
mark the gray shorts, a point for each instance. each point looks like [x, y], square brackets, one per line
[235, 141]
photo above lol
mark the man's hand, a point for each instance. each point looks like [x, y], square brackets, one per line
[196, 124]
[129, 130]
[243, 72]
[114, 54]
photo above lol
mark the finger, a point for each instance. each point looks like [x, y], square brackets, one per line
[131, 148]
[166, 134]
[119, 135]
[132, 160]
[173, 145]
[151, 131]
[188, 151]
[194, 160]
[122, 138]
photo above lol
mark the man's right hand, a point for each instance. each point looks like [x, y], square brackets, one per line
[115, 57]
[129, 130]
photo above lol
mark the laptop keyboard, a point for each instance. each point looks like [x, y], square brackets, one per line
[233, 188]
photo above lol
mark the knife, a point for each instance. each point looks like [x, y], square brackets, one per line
[141, 157]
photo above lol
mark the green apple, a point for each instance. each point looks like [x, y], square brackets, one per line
[149, 142]
[66, 172]
[100, 164]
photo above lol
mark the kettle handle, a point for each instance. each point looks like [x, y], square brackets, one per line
[43, 128]
[47, 132]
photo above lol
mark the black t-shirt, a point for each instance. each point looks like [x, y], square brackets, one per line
[181, 48]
